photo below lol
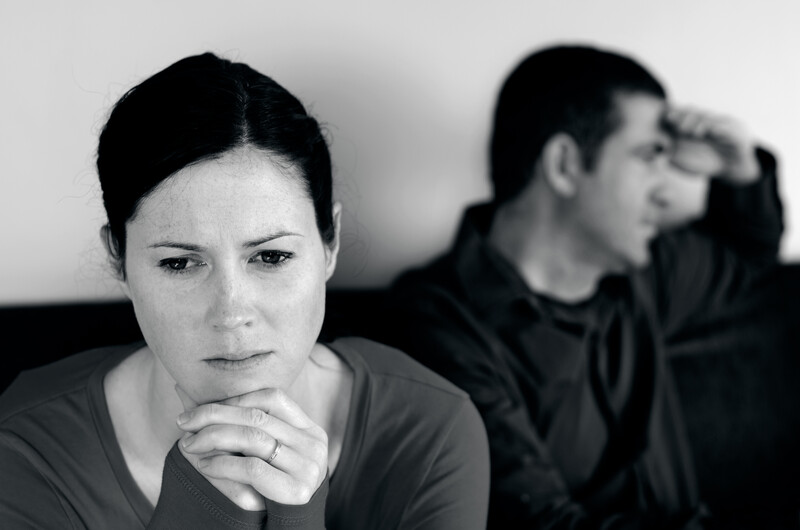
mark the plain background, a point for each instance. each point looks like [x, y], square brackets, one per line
[406, 90]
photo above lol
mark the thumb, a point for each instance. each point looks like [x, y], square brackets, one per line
[188, 402]
[698, 158]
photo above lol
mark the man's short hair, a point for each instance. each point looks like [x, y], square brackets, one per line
[564, 89]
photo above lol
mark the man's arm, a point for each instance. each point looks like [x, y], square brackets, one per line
[706, 265]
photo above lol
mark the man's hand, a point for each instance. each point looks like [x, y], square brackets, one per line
[714, 146]
[261, 441]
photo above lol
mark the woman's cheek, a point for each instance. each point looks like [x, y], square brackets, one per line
[168, 322]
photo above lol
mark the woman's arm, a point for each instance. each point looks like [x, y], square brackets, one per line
[455, 492]
[28, 500]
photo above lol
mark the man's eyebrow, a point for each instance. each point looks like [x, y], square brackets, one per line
[248, 244]
[665, 126]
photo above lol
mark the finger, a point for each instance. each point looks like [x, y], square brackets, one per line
[688, 122]
[728, 130]
[674, 115]
[700, 127]
[229, 439]
[696, 157]
[266, 479]
[276, 403]
[254, 425]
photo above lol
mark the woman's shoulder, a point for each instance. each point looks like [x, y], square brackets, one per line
[388, 363]
[414, 438]
[57, 441]
[50, 383]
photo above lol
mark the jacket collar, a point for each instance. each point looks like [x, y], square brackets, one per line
[492, 284]
[489, 280]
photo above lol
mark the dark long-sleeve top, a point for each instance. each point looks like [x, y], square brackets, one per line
[414, 455]
[584, 424]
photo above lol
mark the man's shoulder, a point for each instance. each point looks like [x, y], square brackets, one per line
[440, 274]
[46, 384]
[434, 290]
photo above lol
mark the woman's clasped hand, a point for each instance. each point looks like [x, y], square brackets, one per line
[260, 444]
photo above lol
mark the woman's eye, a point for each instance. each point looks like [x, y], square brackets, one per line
[272, 257]
[178, 265]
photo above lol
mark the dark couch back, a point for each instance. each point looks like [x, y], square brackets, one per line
[737, 373]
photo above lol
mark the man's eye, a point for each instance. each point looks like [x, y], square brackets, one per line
[653, 152]
[272, 257]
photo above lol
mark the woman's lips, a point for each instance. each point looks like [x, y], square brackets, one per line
[239, 361]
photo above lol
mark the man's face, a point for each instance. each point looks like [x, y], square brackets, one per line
[620, 201]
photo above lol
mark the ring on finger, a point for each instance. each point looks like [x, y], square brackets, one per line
[277, 450]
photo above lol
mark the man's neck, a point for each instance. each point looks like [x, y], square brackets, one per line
[545, 253]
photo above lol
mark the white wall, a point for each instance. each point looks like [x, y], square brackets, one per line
[407, 89]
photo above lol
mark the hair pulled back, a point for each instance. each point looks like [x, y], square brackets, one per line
[195, 110]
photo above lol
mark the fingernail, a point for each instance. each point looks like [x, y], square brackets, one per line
[184, 417]
[188, 441]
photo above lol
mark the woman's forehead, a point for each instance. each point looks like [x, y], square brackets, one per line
[239, 194]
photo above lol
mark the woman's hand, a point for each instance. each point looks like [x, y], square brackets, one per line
[262, 440]
[244, 496]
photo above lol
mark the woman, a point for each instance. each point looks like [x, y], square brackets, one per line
[221, 226]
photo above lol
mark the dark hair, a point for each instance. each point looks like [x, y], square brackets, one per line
[569, 89]
[198, 109]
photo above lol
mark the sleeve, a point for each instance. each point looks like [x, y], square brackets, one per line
[707, 265]
[28, 500]
[527, 489]
[189, 501]
[455, 492]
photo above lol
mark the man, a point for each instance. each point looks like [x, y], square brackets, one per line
[552, 306]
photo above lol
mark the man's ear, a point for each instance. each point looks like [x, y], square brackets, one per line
[332, 248]
[112, 250]
[561, 164]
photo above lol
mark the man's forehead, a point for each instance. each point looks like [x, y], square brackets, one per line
[642, 113]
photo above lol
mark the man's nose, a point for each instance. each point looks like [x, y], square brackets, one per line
[230, 306]
[661, 193]
[661, 196]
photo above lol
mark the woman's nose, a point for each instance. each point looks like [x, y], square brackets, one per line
[230, 307]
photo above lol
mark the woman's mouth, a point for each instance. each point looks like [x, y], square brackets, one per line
[238, 361]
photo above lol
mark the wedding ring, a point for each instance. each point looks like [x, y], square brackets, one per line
[277, 450]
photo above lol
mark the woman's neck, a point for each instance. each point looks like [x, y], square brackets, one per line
[145, 399]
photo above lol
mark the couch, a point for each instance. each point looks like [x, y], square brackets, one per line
[737, 372]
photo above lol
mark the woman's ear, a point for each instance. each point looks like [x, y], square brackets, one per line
[561, 164]
[112, 250]
[332, 248]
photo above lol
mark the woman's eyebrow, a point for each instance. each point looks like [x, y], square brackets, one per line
[176, 244]
[262, 240]
[248, 244]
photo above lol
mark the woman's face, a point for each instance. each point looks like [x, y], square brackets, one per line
[226, 269]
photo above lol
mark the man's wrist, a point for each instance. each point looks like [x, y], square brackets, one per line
[746, 171]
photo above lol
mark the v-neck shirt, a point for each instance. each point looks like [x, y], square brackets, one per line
[414, 453]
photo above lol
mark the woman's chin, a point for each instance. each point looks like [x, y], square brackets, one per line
[222, 387]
